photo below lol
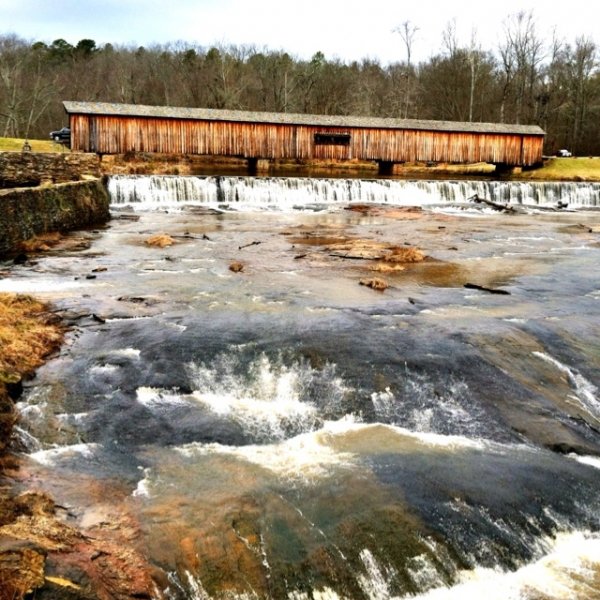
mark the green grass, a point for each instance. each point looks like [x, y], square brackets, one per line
[566, 169]
[16, 145]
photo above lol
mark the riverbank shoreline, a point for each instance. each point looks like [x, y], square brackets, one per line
[580, 168]
[577, 169]
[29, 335]
[37, 211]
[43, 551]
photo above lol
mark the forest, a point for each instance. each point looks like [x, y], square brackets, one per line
[524, 78]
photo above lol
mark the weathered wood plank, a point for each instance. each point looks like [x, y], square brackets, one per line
[116, 134]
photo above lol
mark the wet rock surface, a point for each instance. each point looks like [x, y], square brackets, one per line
[288, 432]
[36, 211]
[19, 169]
[42, 554]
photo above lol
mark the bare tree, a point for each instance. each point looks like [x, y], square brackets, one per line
[450, 39]
[556, 84]
[13, 56]
[522, 53]
[456, 54]
[42, 90]
[407, 32]
[474, 62]
[581, 65]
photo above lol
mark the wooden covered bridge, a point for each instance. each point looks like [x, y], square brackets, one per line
[107, 128]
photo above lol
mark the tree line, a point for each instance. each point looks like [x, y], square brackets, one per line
[524, 79]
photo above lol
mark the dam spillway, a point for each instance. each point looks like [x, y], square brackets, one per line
[157, 191]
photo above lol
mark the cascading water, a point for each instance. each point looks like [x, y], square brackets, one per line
[157, 191]
[283, 432]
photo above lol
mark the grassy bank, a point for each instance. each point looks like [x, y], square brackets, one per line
[16, 145]
[584, 168]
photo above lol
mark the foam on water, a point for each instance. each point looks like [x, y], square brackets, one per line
[322, 594]
[462, 211]
[26, 440]
[195, 586]
[106, 369]
[375, 582]
[584, 391]
[592, 461]
[263, 418]
[569, 570]
[433, 405]
[38, 285]
[127, 352]
[54, 455]
[252, 193]
[267, 398]
[135, 318]
[192, 589]
[157, 398]
[143, 486]
[340, 444]
[306, 457]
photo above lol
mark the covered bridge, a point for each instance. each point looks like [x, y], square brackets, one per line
[107, 128]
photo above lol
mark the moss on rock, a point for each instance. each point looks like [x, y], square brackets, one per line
[29, 212]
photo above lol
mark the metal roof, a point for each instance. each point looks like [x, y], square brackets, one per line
[240, 116]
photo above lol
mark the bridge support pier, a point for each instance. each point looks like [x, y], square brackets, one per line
[506, 169]
[385, 168]
[258, 166]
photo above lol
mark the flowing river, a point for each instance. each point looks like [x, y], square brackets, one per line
[284, 432]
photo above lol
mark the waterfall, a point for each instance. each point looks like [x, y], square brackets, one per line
[158, 191]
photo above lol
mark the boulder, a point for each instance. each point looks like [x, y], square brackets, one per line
[375, 283]
[160, 240]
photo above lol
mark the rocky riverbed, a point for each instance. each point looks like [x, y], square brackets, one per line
[281, 431]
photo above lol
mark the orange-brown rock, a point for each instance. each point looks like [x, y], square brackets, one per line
[387, 267]
[375, 250]
[42, 554]
[160, 240]
[391, 212]
[41, 243]
[358, 248]
[375, 283]
[21, 571]
[236, 266]
[404, 254]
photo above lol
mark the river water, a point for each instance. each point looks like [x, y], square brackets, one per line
[284, 432]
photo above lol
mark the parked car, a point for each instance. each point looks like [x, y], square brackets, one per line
[62, 136]
[564, 153]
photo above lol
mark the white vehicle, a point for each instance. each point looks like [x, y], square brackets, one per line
[564, 153]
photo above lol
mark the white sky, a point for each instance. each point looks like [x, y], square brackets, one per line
[344, 29]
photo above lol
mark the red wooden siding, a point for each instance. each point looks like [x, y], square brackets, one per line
[117, 134]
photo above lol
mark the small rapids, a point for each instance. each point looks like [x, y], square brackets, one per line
[266, 399]
[283, 432]
[584, 391]
[278, 193]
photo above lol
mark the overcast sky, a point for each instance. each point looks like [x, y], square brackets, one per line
[344, 29]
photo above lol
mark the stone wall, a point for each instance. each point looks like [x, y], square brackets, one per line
[19, 169]
[26, 212]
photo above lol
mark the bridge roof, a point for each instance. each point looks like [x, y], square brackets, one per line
[239, 116]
